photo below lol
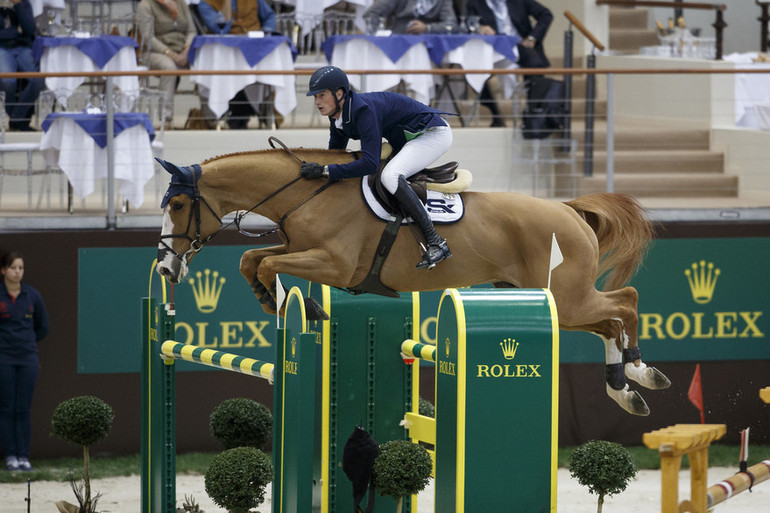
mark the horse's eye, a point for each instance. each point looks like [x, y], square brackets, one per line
[177, 206]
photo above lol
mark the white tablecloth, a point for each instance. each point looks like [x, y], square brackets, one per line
[76, 153]
[364, 55]
[752, 92]
[221, 88]
[478, 54]
[68, 58]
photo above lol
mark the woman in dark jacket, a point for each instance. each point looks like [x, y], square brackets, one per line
[23, 323]
[417, 133]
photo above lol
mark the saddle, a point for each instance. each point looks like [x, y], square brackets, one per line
[419, 182]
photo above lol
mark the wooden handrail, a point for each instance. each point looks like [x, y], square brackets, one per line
[719, 25]
[675, 5]
[583, 30]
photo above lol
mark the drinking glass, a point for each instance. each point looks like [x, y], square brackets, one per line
[474, 24]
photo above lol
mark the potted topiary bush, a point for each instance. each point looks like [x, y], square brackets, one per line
[426, 408]
[236, 479]
[401, 469]
[83, 421]
[604, 467]
[241, 422]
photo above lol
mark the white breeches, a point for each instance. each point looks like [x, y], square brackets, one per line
[416, 155]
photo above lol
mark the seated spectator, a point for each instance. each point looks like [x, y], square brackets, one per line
[415, 16]
[173, 35]
[238, 17]
[16, 36]
[512, 17]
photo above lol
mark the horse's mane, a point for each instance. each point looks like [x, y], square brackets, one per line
[271, 150]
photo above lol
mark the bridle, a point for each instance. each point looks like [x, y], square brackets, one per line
[196, 242]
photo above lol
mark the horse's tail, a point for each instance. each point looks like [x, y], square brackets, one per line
[623, 231]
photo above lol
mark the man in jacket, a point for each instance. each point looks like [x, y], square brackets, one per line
[17, 31]
[513, 17]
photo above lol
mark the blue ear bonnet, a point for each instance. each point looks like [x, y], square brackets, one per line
[184, 180]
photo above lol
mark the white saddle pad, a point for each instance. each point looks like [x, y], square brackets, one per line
[443, 208]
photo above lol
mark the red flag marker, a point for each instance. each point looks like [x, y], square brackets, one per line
[695, 394]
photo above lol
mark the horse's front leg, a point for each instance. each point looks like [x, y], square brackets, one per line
[250, 262]
[315, 264]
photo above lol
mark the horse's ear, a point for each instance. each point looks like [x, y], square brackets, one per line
[171, 168]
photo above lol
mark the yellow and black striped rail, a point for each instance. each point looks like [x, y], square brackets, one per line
[218, 359]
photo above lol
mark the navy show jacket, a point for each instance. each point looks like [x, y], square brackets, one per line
[369, 117]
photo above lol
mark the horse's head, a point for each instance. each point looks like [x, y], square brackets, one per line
[186, 226]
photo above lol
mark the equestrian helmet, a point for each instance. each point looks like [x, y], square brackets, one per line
[328, 77]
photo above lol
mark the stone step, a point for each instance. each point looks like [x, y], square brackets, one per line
[652, 161]
[662, 185]
[630, 40]
[635, 135]
[623, 17]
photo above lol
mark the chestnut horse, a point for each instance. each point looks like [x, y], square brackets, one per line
[329, 236]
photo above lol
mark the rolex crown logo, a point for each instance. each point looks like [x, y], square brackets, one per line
[446, 346]
[509, 346]
[207, 287]
[293, 347]
[702, 278]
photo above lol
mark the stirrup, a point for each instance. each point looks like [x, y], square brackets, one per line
[434, 254]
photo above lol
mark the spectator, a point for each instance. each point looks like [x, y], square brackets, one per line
[415, 16]
[237, 17]
[174, 31]
[16, 38]
[23, 323]
[513, 17]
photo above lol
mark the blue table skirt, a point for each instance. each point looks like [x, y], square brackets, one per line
[96, 124]
[100, 49]
[396, 45]
[254, 49]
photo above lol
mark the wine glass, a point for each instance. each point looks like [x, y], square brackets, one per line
[474, 24]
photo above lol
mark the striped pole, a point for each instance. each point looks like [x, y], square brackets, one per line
[417, 350]
[218, 359]
[738, 483]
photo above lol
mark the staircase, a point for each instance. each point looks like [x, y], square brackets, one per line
[628, 30]
[652, 158]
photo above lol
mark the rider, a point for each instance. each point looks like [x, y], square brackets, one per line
[417, 133]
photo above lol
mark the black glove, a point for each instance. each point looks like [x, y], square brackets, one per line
[311, 170]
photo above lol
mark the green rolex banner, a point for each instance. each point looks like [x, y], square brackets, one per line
[699, 299]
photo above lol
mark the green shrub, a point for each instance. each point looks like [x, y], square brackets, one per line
[82, 420]
[237, 478]
[604, 467]
[426, 408]
[401, 469]
[241, 422]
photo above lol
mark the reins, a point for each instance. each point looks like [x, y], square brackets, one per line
[196, 243]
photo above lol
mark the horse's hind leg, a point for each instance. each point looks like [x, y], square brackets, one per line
[615, 321]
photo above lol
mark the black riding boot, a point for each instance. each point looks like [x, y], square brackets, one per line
[437, 249]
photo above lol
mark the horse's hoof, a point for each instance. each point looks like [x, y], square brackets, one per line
[659, 380]
[314, 311]
[629, 400]
[648, 377]
[636, 405]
